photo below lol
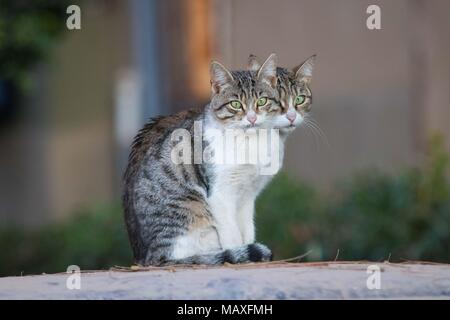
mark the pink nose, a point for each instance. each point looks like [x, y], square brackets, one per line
[251, 118]
[291, 116]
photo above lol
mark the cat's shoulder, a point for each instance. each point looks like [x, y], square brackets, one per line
[160, 124]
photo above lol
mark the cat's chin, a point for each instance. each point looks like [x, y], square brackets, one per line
[249, 127]
[243, 128]
[286, 128]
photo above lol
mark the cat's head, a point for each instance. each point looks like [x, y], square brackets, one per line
[244, 99]
[294, 93]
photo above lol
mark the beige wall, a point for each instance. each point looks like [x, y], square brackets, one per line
[61, 154]
[82, 78]
[376, 93]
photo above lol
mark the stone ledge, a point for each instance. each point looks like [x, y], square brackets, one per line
[325, 280]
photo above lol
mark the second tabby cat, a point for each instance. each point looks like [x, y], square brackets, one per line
[294, 91]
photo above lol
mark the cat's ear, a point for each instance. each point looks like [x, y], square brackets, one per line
[268, 71]
[253, 63]
[220, 77]
[303, 72]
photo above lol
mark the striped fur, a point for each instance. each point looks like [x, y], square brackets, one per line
[254, 252]
[177, 213]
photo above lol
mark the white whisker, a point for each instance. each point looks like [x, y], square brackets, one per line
[315, 135]
[318, 129]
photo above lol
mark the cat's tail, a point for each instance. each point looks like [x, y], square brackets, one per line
[255, 252]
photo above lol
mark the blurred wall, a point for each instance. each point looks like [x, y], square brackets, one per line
[81, 82]
[61, 152]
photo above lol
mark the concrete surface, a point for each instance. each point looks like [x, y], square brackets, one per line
[329, 280]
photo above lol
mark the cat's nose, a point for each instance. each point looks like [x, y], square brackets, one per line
[251, 117]
[291, 116]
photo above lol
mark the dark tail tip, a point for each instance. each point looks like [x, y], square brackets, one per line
[258, 252]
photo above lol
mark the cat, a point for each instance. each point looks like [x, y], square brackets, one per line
[200, 213]
[295, 96]
[294, 91]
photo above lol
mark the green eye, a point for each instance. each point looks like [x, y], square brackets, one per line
[261, 102]
[236, 105]
[299, 100]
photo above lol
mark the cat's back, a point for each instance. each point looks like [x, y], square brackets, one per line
[153, 137]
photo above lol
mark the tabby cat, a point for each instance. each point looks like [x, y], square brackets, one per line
[294, 91]
[200, 213]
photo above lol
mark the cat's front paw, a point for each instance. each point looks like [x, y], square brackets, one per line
[259, 252]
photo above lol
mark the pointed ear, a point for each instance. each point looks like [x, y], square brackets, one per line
[303, 72]
[268, 71]
[253, 63]
[220, 77]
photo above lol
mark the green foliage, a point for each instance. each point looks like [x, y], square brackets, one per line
[92, 239]
[373, 216]
[28, 30]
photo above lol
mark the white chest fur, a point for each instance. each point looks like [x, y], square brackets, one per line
[235, 186]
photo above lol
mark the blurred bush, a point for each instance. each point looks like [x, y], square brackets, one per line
[372, 216]
[28, 31]
[92, 239]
